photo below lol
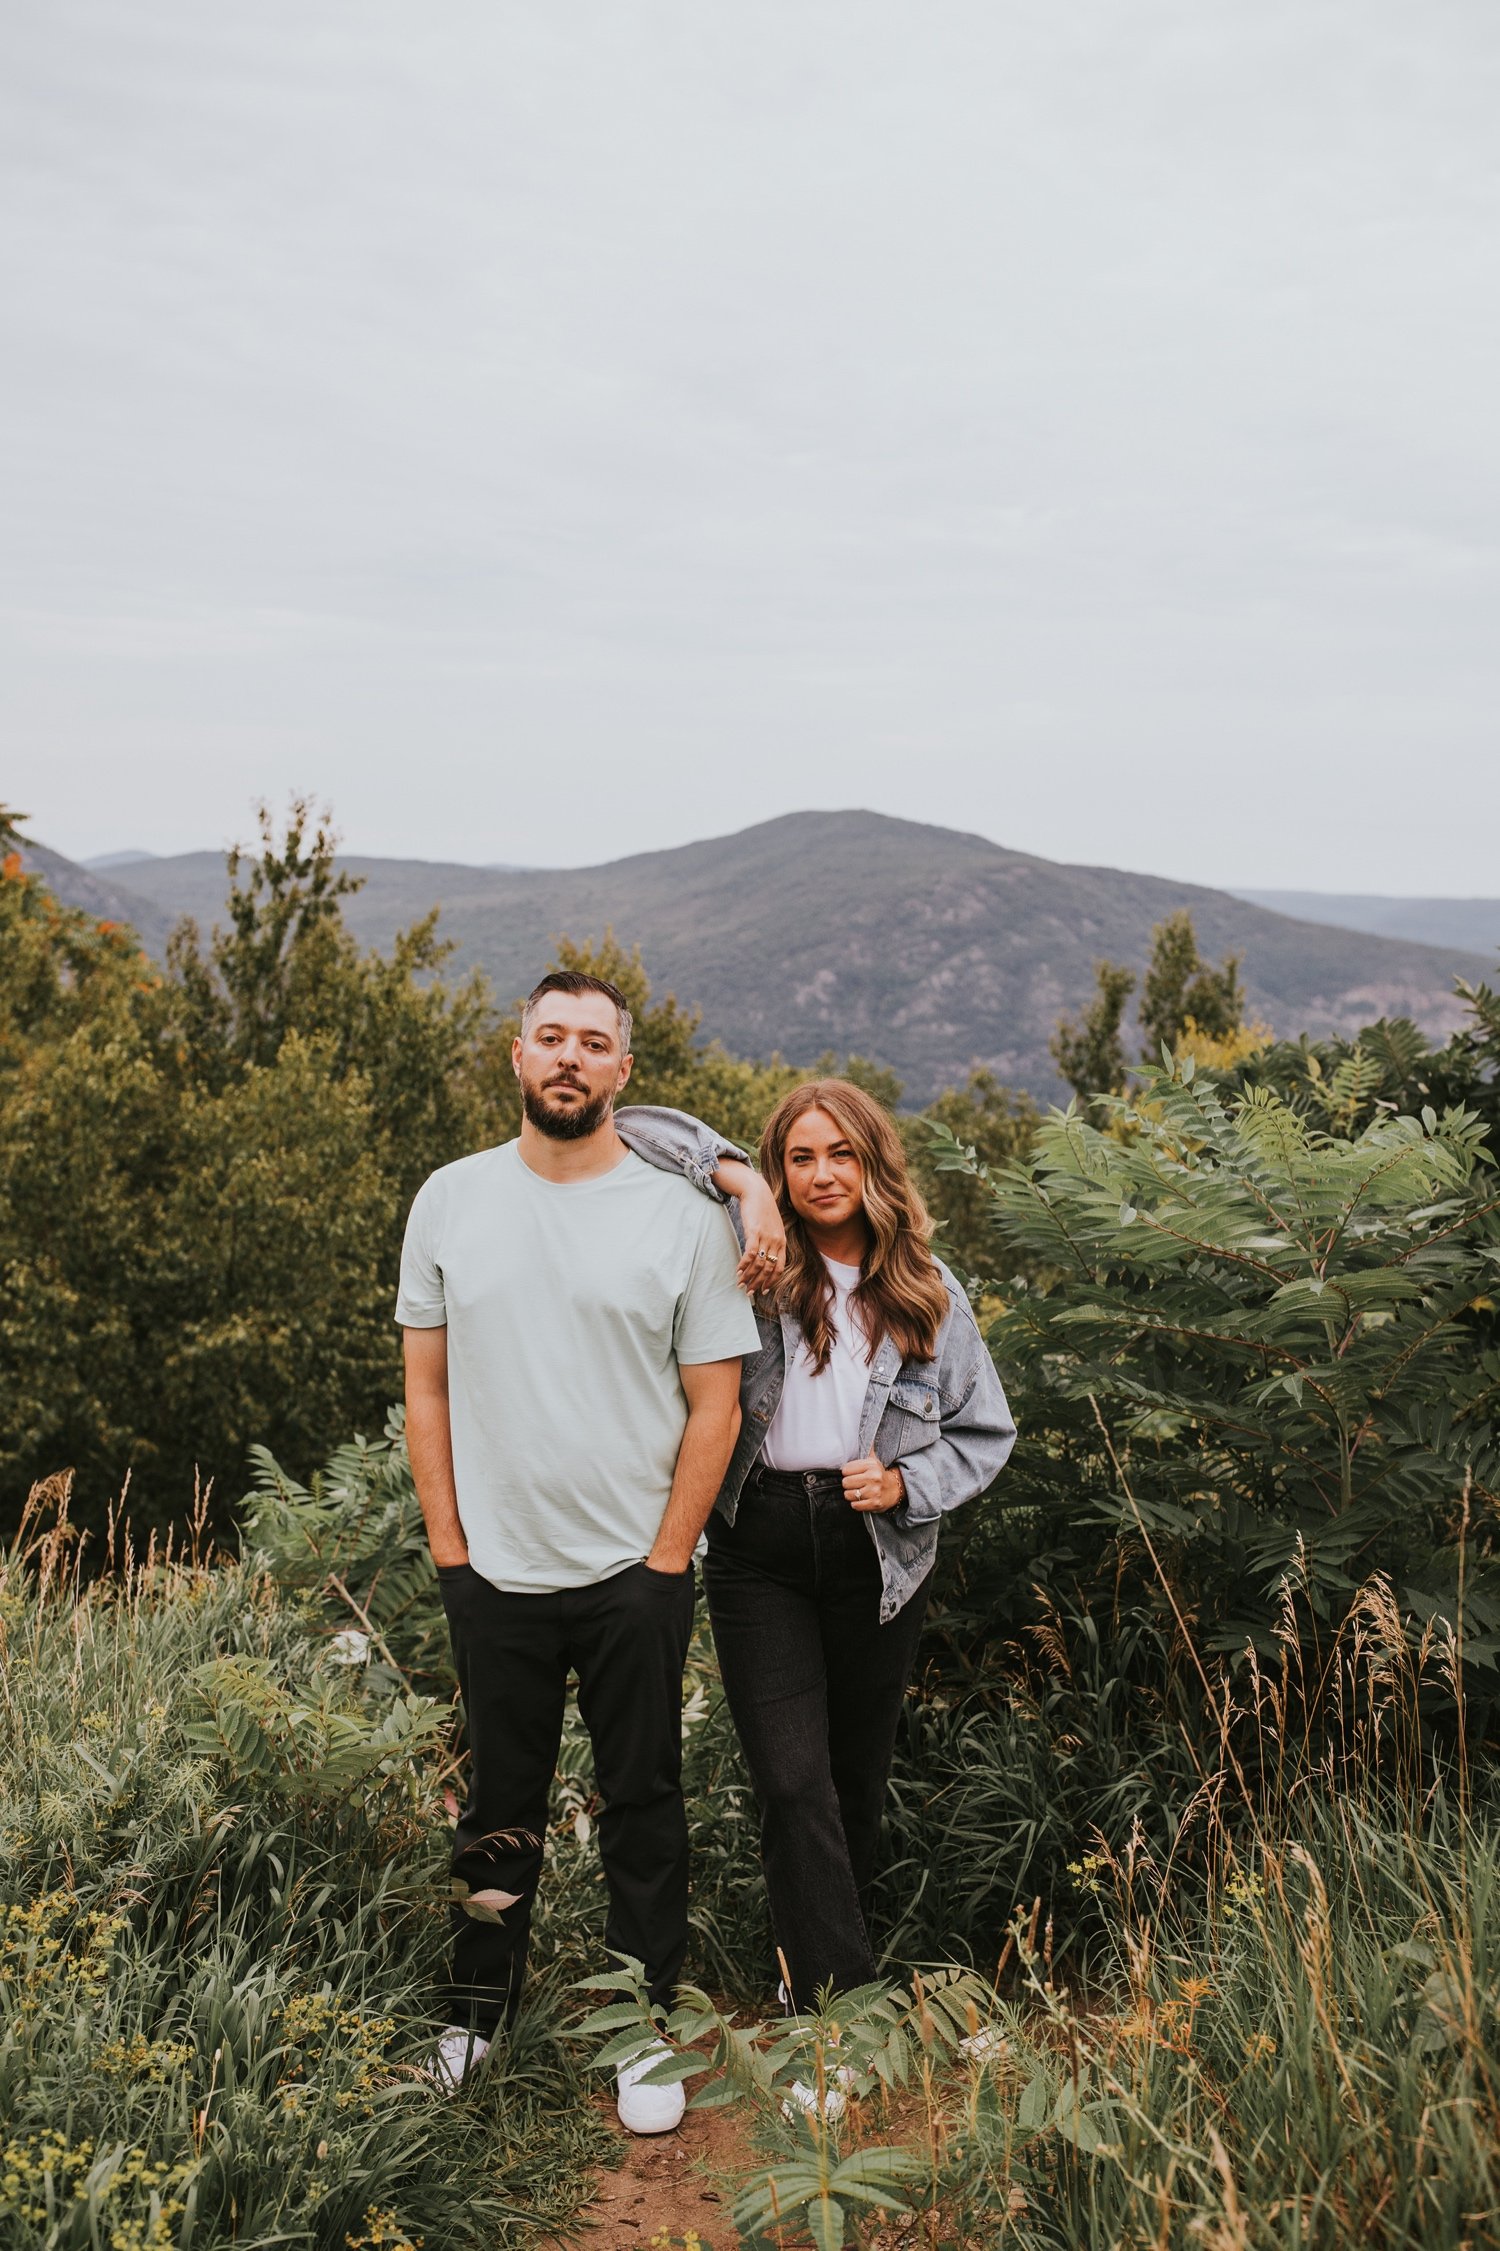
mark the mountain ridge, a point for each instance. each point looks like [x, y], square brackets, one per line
[932, 950]
[1473, 924]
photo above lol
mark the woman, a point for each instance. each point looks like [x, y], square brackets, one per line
[871, 1409]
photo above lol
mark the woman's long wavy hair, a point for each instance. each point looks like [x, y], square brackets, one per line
[900, 1293]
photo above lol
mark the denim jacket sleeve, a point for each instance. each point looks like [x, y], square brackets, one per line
[976, 1430]
[674, 1141]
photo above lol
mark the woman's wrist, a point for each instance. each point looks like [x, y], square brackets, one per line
[761, 1225]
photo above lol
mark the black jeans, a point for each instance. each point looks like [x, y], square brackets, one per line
[815, 1684]
[626, 1638]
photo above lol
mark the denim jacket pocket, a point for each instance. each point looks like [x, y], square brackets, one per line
[913, 1417]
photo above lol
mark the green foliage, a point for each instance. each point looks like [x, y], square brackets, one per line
[997, 1125]
[1179, 992]
[878, 2039]
[1289, 2033]
[353, 1539]
[203, 1177]
[420, 1052]
[220, 1938]
[1265, 1358]
[1180, 989]
[1091, 1053]
[300, 1743]
[1389, 1066]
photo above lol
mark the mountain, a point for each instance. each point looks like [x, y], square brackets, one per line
[105, 861]
[1474, 923]
[924, 948]
[79, 886]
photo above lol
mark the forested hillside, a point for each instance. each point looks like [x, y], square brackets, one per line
[932, 952]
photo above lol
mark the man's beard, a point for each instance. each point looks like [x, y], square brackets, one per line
[572, 1124]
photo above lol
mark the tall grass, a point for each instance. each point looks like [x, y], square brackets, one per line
[215, 1972]
[1239, 1980]
[1284, 2030]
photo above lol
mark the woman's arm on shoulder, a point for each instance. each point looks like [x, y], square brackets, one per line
[675, 1141]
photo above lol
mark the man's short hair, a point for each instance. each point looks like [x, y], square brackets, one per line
[575, 981]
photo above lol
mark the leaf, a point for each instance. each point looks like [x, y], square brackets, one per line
[1032, 2107]
[612, 2019]
[1442, 2021]
[825, 2220]
[624, 2046]
[673, 2069]
[1072, 2121]
[872, 2175]
[491, 1905]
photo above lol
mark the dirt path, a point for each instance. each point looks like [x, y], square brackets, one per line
[662, 2181]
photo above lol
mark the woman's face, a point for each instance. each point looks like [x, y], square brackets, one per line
[825, 1180]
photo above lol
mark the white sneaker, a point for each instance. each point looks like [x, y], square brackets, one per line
[458, 2052]
[648, 2110]
[835, 2096]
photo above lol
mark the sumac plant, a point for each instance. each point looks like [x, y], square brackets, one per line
[1261, 1364]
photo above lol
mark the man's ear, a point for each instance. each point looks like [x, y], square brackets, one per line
[515, 1056]
[624, 1074]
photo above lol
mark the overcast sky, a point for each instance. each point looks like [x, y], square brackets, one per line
[554, 430]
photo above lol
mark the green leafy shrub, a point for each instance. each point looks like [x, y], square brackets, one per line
[1261, 1356]
[223, 1911]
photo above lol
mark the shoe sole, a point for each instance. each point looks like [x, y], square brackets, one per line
[647, 2132]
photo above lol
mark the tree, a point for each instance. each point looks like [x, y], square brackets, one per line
[1391, 1067]
[1091, 1053]
[1261, 1357]
[204, 1176]
[996, 1126]
[288, 963]
[1180, 989]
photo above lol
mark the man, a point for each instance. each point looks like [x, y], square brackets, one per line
[573, 1333]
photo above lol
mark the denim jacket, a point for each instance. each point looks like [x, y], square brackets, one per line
[945, 1420]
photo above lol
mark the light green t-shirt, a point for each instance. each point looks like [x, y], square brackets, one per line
[569, 1310]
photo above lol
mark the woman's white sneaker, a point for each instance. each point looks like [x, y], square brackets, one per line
[458, 2052]
[835, 2096]
[648, 2110]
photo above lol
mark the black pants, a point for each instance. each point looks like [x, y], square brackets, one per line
[815, 1684]
[626, 1638]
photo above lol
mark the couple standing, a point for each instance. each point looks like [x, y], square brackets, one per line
[589, 1386]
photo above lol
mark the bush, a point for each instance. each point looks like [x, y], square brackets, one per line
[1260, 1356]
[222, 1910]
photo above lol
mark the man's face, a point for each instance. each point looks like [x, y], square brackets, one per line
[569, 1064]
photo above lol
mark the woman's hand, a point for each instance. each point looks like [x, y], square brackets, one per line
[872, 1488]
[765, 1236]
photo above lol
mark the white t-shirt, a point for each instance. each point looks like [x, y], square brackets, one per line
[816, 1424]
[569, 1307]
